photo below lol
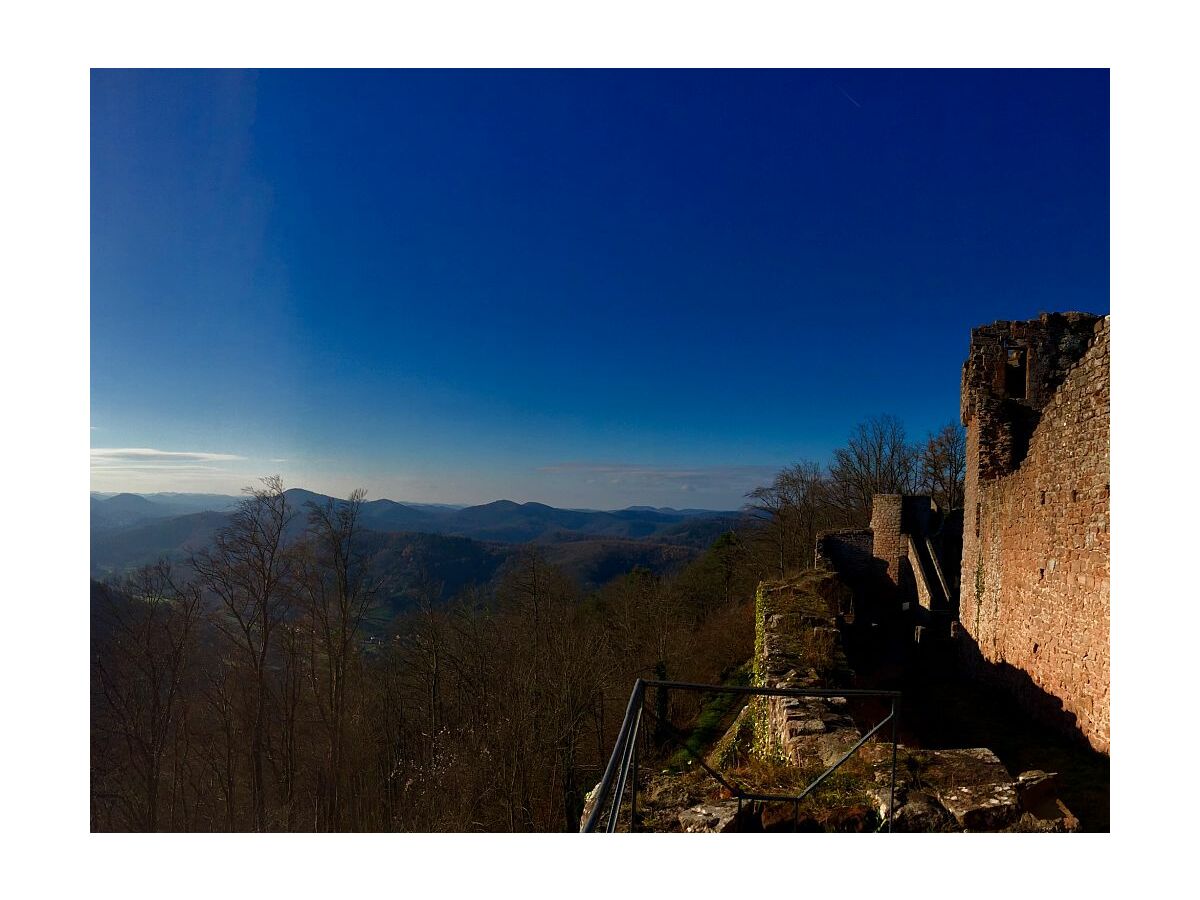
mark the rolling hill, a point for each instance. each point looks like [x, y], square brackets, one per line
[455, 546]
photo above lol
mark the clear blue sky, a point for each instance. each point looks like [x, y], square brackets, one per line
[587, 288]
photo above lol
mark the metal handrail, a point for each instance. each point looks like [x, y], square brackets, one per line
[623, 762]
[635, 702]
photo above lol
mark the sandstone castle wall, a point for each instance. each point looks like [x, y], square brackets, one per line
[907, 559]
[1034, 596]
[847, 551]
[889, 542]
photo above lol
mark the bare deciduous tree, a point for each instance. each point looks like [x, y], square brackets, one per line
[146, 626]
[943, 465]
[791, 510]
[804, 487]
[337, 593]
[876, 460]
[768, 502]
[492, 710]
[248, 572]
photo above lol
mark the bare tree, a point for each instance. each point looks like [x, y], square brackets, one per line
[943, 465]
[223, 742]
[337, 593]
[791, 510]
[768, 503]
[248, 571]
[493, 710]
[876, 460]
[804, 488]
[147, 626]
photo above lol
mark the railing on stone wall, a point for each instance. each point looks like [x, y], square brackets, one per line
[621, 773]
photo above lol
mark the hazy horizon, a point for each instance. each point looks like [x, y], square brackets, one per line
[619, 485]
[402, 500]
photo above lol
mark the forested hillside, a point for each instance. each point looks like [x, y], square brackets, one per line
[249, 690]
[289, 667]
[130, 531]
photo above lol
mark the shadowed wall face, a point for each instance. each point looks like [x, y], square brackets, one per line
[1035, 564]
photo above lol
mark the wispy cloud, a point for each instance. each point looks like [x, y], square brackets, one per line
[685, 479]
[150, 469]
[144, 455]
[172, 468]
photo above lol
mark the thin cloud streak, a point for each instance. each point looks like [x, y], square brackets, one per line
[735, 479]
[635, 469]
[148, 454]
[147, 468]
[160, 467]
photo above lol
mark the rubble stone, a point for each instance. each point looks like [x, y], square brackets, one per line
[714, 817]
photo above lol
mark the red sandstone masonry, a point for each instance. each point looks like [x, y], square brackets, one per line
[1035, 563]
[890, 544]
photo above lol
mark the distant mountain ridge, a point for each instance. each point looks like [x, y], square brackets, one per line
[131, 529]
[118, 510]
[512, 521]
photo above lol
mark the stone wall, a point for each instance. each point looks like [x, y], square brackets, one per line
[797, 646]
[846, 551]
[893, 567]
[1011, 373]
[1034, 601]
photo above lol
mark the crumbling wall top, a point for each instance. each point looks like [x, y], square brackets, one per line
[1024, 361]
[1011, 372]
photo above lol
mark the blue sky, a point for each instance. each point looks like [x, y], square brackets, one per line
[587, 288]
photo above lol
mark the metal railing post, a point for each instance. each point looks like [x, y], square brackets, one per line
[623, 778]
[625, 756]
[637, 727]
[662, 714]
[618, 755]
[611, 824]
[892, 799]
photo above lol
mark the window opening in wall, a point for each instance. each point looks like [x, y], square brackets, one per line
[977, 510]
[1074, 495]
[1042, 497]
[1016, 373]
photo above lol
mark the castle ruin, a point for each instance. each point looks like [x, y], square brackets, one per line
[1034, 603]
[1019, 578]
[906, 562]
[1011, 590]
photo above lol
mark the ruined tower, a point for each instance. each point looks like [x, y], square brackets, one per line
[1034, 599]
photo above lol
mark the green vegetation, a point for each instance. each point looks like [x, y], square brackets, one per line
[716, 713]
